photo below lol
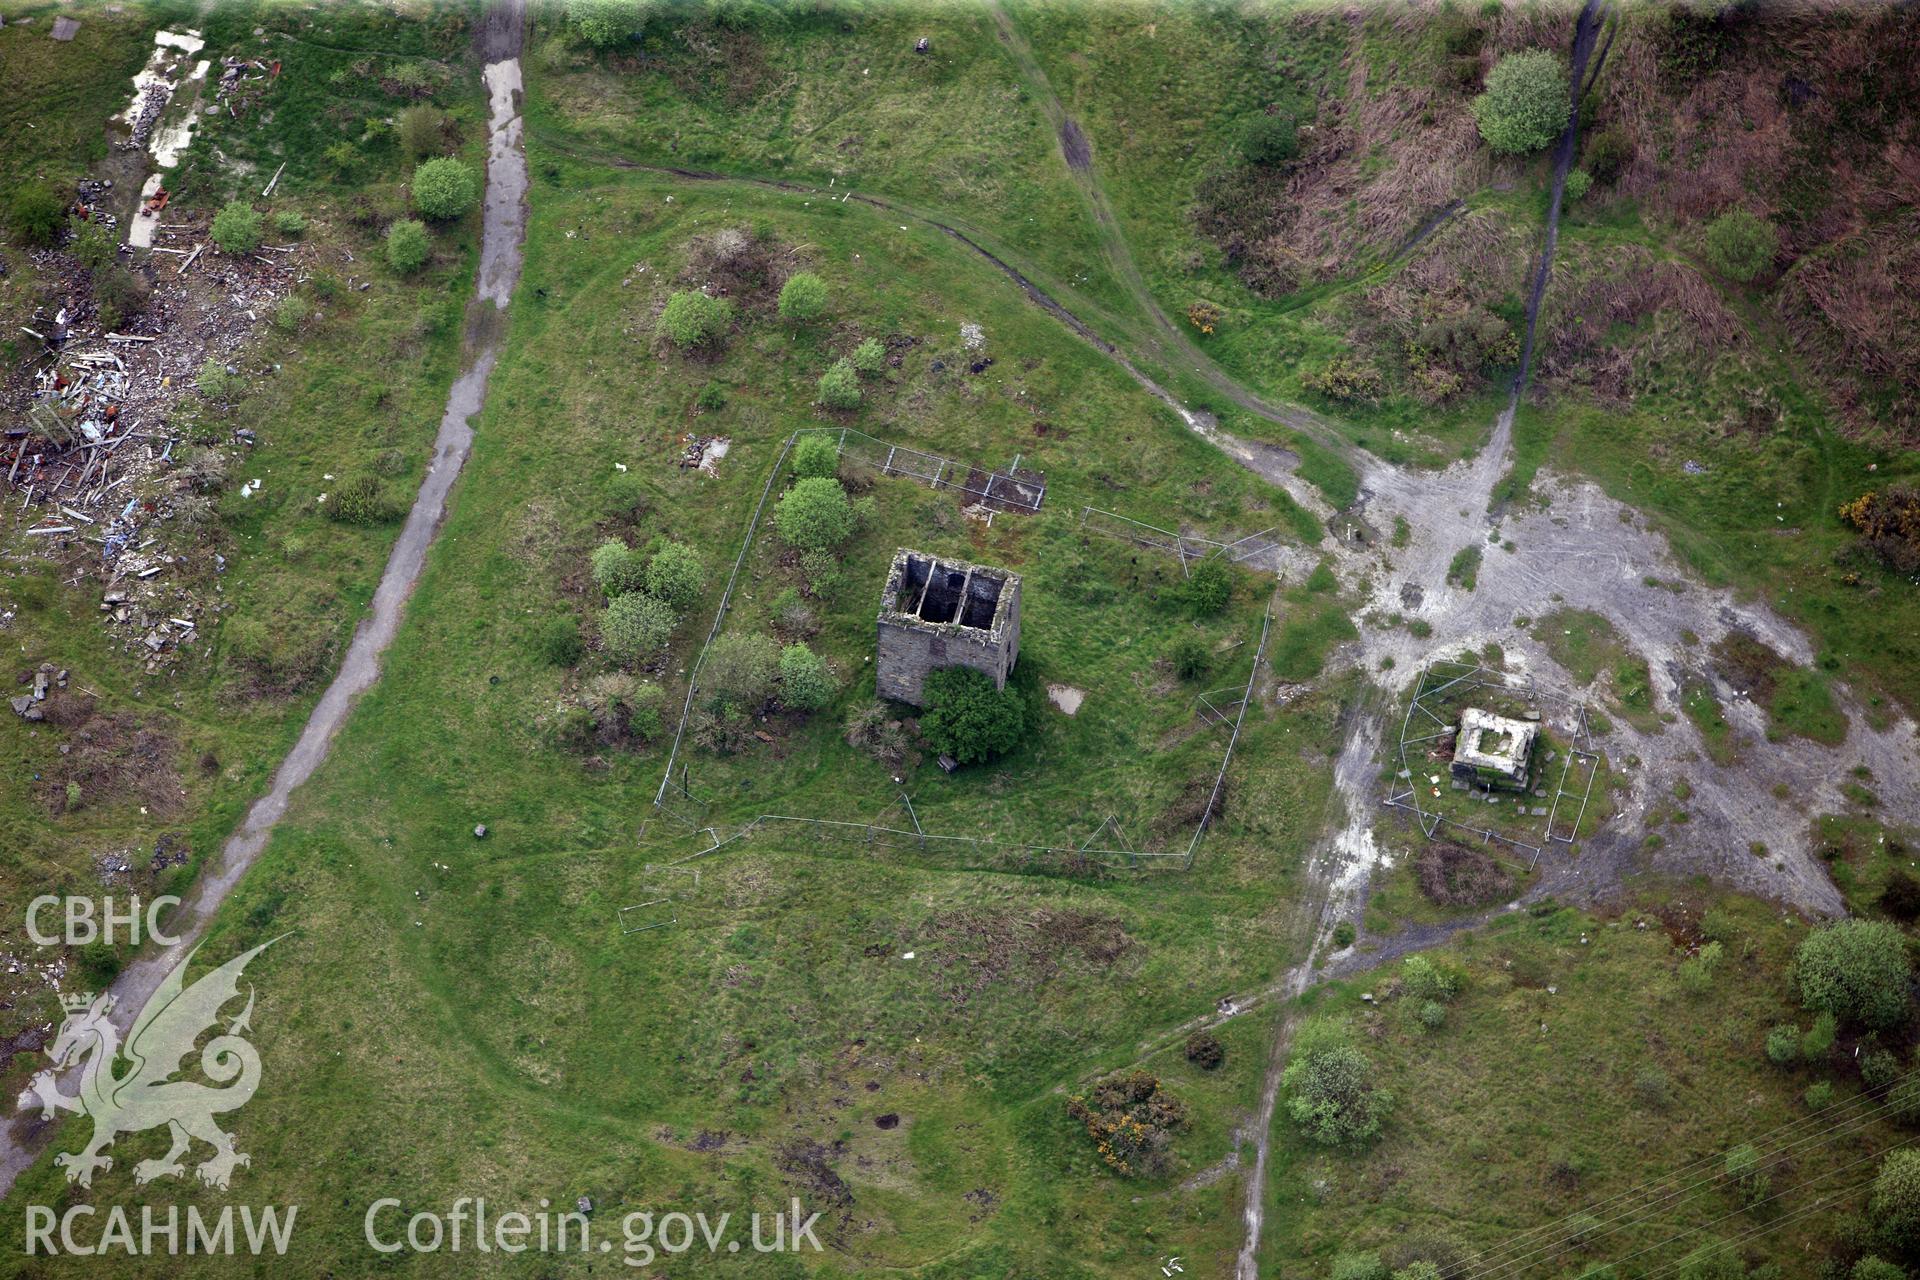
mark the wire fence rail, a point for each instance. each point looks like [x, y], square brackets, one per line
[1009, 488]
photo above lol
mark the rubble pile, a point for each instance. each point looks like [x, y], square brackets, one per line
[91, 452]
[31, 705]
[145, 114]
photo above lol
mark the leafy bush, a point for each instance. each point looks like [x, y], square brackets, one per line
[1343, 935]
[869, 359]
[803, 297]
[92, 245]
[1818, 1042]
[821, 568]
[1696, 971]
[444, 189]
[1578, 183]
[967, 718]
[806, 683]
[1740, 245]
[290, 222]
[1130, 1118]
[625, 497]
[35, 215]
[212, 381]
[1607, 153]
[1331, 1095]
[1879, 1070]
[605, 23]
[816, 458]
[423, 131]
[1818, 1095]
[237, 227]
[1344, 378]
[557, 641]
[692, 319]
[1191, 657]
[1903, 1100]
[873, 728]
[1526, 103]
[1270, 141]
[1432, 1015]
[814, 515]
[1652, 1088]
[407, 246]
[1359, 1266]
[1422, 979]
[1857, 970]
[643, 711]
[1894, 1205]
[840, 386]
[291, 312]
[1205, 1051]
[1209, 588]
[739, 673]
[712, 398]
[676, 575]
[618, 569]
[119, 295]
[1872, 1268]
[1783, 1046]
[1744, 1170]
[636, 627]
[359, 500]
[1888, 521]
[793, 615]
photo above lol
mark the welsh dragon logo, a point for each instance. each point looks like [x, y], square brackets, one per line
[142, 1096]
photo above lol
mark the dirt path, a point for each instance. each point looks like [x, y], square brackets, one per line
[497, 41]
[1166, 343]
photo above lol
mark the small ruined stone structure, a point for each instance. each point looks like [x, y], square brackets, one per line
[945, 613]
[1493, 750]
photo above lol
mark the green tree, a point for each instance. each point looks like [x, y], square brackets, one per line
[444, 189]
[737, 678]
[1331, 1094]
[806, 683]
[676, 575]
[803, 297]
[237, 227]
[1526, 103]
[1895, 1203]
[1783, 1046]
[1209, 588]
[35, 214]
[840, 386]
[637, 627]
[869, 358]
[816, 457]
[1857, 970]
[408, 246]
[1872, 1268]
[814, 515]
[967, 718]
[1270, 141]
[618, 569]
[1740, 245]
[693, 319]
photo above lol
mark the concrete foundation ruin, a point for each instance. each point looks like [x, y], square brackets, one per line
[1494, 751]
[937, 613]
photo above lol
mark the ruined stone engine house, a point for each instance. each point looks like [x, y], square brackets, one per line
[945, 613]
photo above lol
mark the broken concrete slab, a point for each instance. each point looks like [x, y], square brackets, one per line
[65, 29]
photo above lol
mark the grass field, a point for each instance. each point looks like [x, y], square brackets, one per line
[1576, 1066]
